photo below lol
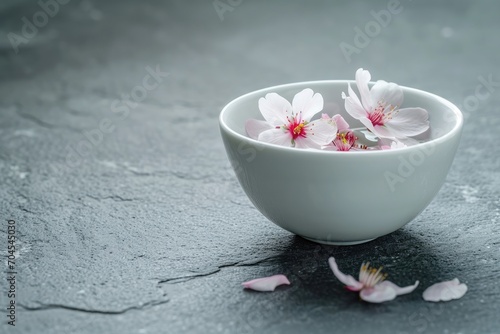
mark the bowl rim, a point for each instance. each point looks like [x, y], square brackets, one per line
[450, 134]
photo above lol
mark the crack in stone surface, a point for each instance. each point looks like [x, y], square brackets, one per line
[44, 307]
[44, 124]
[36, 120]
[178, 175]
[116, 198]
[182, 279]
[27, 211]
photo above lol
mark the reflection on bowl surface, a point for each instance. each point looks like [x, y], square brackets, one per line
[334, 197]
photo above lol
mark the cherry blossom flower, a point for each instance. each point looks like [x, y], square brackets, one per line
[445, 291]
[290, 124]
[345, 138]
[266, 283]
[371, 284]
[378, 109]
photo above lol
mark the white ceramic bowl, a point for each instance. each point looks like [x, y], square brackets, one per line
[341, 198]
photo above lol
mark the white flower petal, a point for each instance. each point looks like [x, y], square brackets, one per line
[362, 79]
[408, 141]
[395, 145]
[387, 92]
[322, 132]
[378, 294]
[306, 142]
[351, 282]
[352, 104]
[445, 291]
[385, 291]
[369, 135]
[255, 127]
[266, 283]
[369, 125]
[308, 103]
[277, 137]
[390, 144]
[408, 122]
[400, 290]
[275, 109]
[382, 131]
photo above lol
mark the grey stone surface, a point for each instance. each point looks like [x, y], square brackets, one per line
[146, 230]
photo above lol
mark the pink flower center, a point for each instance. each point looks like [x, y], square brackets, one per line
[297, 128]
[382, 113]
[345, 141]
[377, 116]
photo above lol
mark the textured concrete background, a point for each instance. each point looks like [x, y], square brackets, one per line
[128, 216]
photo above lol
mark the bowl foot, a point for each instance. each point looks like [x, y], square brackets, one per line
[338, 243]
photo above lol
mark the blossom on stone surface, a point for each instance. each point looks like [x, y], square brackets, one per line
[371, 283]
[378, 109]
[266, 283]
[291, 124]
[445, 291]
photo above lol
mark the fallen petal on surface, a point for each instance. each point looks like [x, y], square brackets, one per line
[351, 282]
[266, 283]
[385, 291]
[445, 291]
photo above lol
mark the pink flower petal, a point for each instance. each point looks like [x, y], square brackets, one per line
[385, 291]
[266, 283]
[345, 141]
[351, 282]
[275, 109]
[408, 122]
[445, 291]
[308, 103]
[255, 127]
[342, 125]
[362, 79]
[387, 92]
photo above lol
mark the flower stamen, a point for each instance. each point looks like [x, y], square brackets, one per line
[370, 276]
[297, 128]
